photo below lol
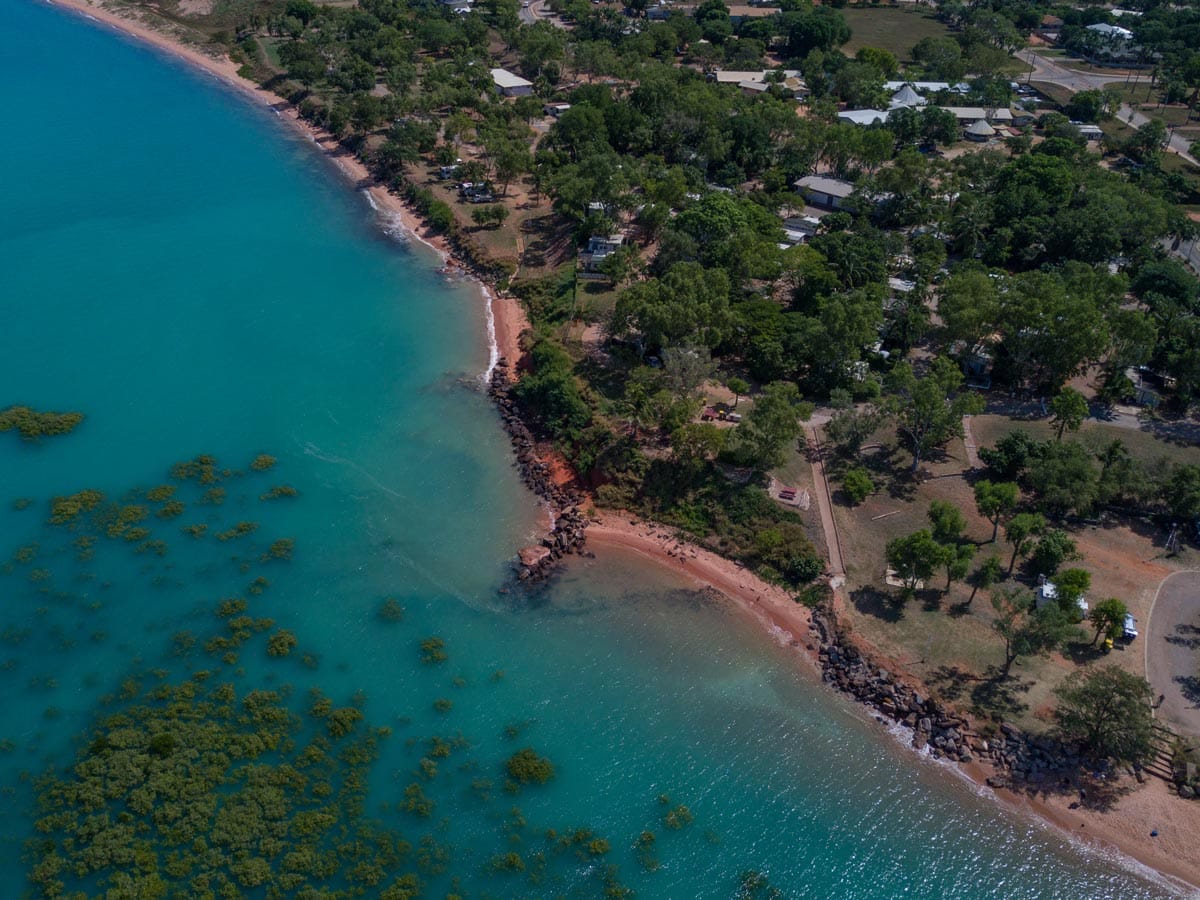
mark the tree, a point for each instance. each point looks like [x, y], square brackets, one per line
[957, 561]
[1182, 493]
[1071, 585]
[1020, 532]
[915, 558]
[848, 429]
[995, 500]
[1108, 617]
[739, 388]
[1026, 630]
[772, 424]
[948, 522]
[857, 484]
[1108, 711]
[1052, 549]
[986, 575]
[928, 410]
[1068, 408]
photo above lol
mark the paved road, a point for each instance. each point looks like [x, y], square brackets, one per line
[537, 10]
[1053, 72]
[1172, 650]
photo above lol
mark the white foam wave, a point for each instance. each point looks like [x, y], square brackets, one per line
[493, 343]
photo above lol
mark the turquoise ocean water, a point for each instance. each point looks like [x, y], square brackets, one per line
[181, 268]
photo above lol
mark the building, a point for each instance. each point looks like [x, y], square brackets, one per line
[929, 87]
[798, 229]
[830, 193]
[979, 132]
[968, 115]
[555, 109]
[599, 248]
[905, 97]
[1114, 33]
[1091, 132]
[739, 14]
[1047, 593]
[863, 116]
[509, 84]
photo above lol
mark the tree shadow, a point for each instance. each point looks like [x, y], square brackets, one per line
[960, 609]
[1185, 636]
[998, 695]
[951, 681]
[1081, 652]
[1189, 686]
[931, 599]
[886, 607]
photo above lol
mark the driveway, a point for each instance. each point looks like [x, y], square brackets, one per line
[1173, 650]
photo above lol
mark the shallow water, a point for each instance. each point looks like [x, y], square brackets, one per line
[179, 267]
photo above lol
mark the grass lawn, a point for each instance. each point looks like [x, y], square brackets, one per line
[942, 636]
[1143, 444]
[896, 30]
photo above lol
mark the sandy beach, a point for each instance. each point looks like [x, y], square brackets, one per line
[1126, 828]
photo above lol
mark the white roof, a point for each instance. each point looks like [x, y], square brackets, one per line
[506, 79]
[754, 86]
[863, 116]
[907, 96]
[729, 76]
[925, 87]
[981, 128]
[1112, 31]
[900, 285]
[834, 187]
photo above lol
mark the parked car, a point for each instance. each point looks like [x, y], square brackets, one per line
[1130, 628]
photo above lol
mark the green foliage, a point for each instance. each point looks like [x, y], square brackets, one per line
[1020, 532]
[31, 424]
[1026, 630]
[1053, 548]
[928, 409]
[1108, 711]
[995, 500]
[773, 423]
[262, 462]
[915, 557]
[281, 643]
[1069, 408]
[391, 611]
[527, 767]
[857, 484]
[1108, 618]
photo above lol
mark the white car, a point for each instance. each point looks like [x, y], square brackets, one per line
[1130, 628]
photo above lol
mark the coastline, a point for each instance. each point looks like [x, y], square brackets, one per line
[1172, 853]
[504, 318]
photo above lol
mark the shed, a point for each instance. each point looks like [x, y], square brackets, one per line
[509, 84]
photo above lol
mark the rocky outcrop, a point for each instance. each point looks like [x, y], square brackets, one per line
[1019, 760]
[568, 532]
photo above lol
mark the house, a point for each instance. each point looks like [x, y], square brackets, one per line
[554, 110]
[1112, 33]
[1021, 117]
[754, 87]
[739, 14]
[863, 116]
[509, 84]
[830, 193]
[1047, 593]
[968, 115]
[929, 87]
[979, 131]
[599, 248]
[1091, 132]
[1049, 28]
[1146, 390]
[798, 229]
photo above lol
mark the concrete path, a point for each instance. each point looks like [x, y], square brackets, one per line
[824, 498]
[1172, 650]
